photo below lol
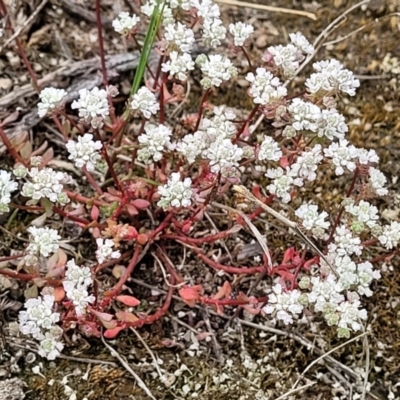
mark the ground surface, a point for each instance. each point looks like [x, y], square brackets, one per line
[242, 362]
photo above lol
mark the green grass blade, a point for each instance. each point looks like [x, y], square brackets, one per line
[155, 21]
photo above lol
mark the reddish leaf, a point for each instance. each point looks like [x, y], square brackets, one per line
[142, 239]
[140, 204]
[284, 162]
[106, 319]
[289, 253]
[94, 213]
[59, 293]
[112, 333]
[191, 294]
[186, 227]
[132, 210]
[125, 316]
[128, 300]
[225, 291]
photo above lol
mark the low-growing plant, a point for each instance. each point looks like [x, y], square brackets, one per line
[154, 176]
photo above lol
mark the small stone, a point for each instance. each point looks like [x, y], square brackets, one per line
[5, 83]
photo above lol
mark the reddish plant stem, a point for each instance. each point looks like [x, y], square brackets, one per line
[60, 127]
[247, 56]
[150, 319]
[27, 208]
[85, 200]
[158, 73]
[384, 257]
[10, 147]
[101, 43]
[161, 227]
[112, 262]
[111, 169]
[118, 287]
[228, 269]
[231, 302]
[340, 213]
[203, 100]
[250, 117]
[206, 239]
[73, 123]
[64, 214]
[9, 26]
[8, 258]
[169, 267]
[147, 65]
[28, 277]
[92, 182]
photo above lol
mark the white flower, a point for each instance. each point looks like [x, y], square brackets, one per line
[206, 8]
[345, 242]
[145, 101]
[281, 183]
[178, 65]
[312, 220]
[50, 99]
[350, 314]
[347, 270]
[240, 32]
[305, 115]
[124, 23]
[265, 88]
[287, 57]
[216, 69]
[50, 347]
[79, 296]
[378, 181]
[219, 127]
[213, 32]
[285, 304]
[342, 155]
[390, 235]
[223, 156]
[299, 40]
[180, 36]
[154, 142]
[176, 193]
[365, 212]
[331, 76]
[191, 146]
[183, 4]
[325, 293]
[307, 163]
[84, 152]
[148, 9]
[44, 183]
[367, 156]
[79, 276]
[93, 106]
[44, 241]
[105, 251]
[331, 124]
[6, 187]
[269, 150]
[366, 273]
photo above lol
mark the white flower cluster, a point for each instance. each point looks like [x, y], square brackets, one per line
[343, 156]
[211, 132]
[269, 150]
[154, 142]
[125, 23]
[378, 181]
[7, 185]
[145, 101]
[77, 280]
[178, 65]
[241, 32]
[180, 37]
[306, 164]
[312, 220]
[265, 88]
[206, 8]
[366, 215]
[282, 183]
[330, 76]
[213, 32]
[390, 235]
[216, 69]
[45, 183]
[345, 243]
[105, 250]
[93, 106]
[284, 305]
[224, 156]
[43, 241]
[39, 321]
[288, 57]
[175, 193]
[167, 17]
[50, 99]
[84, 152]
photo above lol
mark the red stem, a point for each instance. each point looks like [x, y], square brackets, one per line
[204, 98]
[10, 147]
